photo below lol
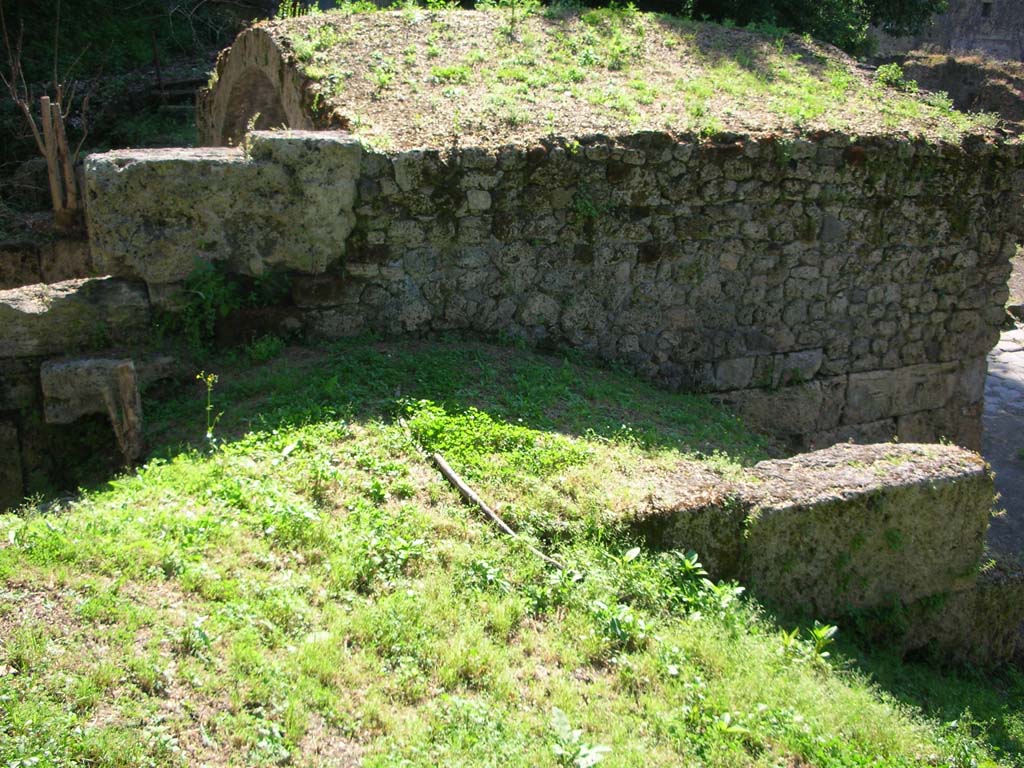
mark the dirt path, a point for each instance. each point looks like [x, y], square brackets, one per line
[1003, 439]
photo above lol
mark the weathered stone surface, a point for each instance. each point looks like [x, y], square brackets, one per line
[11, 489]
[41, 320]
[319, 290]
[286, 205]
[983, 625]
[795, 411]
[76, 388]
[19, 265]
[832, 299]
[64, 259]
[46, 261]
[19, 383]
[841, 529]
[254, 86]
[858, 526]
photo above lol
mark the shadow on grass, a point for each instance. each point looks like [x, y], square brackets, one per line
[984, 703]
[755, 49]
[370, 380]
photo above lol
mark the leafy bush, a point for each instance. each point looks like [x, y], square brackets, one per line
[841, 22]
[891, 76]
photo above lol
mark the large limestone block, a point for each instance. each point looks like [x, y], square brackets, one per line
[794, 411]
[40, 320]
[76, 388]
[881, 394]
[848, 527]
[287, 204]
[858, 526]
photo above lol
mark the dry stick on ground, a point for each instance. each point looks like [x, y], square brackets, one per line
[470, 495]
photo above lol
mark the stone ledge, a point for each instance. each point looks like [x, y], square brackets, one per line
[41, 320]
[837, 531]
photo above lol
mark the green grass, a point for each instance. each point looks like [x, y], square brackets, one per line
[616, 66]
[309, 589]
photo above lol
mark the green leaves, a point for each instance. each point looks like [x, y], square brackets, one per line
[569, 747]
[482, 446]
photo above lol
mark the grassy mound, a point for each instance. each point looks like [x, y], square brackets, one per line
[309, 590]
[417, 78]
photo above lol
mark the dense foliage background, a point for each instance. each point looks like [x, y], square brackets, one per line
[841, 22]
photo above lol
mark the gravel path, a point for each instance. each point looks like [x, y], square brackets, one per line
[1004, 438]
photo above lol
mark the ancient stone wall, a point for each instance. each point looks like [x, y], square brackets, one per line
[255, 90]
[991, 27]
[826, 288]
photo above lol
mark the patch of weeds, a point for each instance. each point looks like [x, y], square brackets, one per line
[476, 443]
[314, 40]
[209, 294]
[193, 640]
[891, 76]
[455, 73]
[264, 348]
[569, 748]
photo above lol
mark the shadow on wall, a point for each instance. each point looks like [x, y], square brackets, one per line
[254, 103]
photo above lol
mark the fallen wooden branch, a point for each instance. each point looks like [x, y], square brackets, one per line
[470, 495]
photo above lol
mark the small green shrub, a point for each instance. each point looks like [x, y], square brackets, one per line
[264, 348]
[891, 76]
[457, 73]
[294, 9]
[209, 295]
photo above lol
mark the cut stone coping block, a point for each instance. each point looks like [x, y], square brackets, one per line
[76, 388]
[846, 528]
[285, 203]
[42, 320]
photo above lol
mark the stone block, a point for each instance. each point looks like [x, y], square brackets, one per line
[288, 204]
[847, 528]
[922, 387]
[735, 373]
[333, 324]
[42, 320]
[982, 626]
[879, 394]
[11, 488]
[693, 509]
[959, 423]
[328, 290]
[479, 199]
[797, 367]
[19, 383]
[882, 431]
[316, 156]
[869, 397]
[860, 526]
[19, 264]
[81, 387]
[64, 259]
[793, 411]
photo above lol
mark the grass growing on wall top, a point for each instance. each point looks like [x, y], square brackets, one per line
[309, 590]
[495, 76]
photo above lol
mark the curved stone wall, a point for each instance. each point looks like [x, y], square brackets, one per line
[826, 288]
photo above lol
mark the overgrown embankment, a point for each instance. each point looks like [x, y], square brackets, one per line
[312, 591]
[416, 78]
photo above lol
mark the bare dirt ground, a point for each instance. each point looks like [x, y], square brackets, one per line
[1003, 422]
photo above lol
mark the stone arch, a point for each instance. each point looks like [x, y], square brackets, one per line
[253, 77]
[252, 98]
